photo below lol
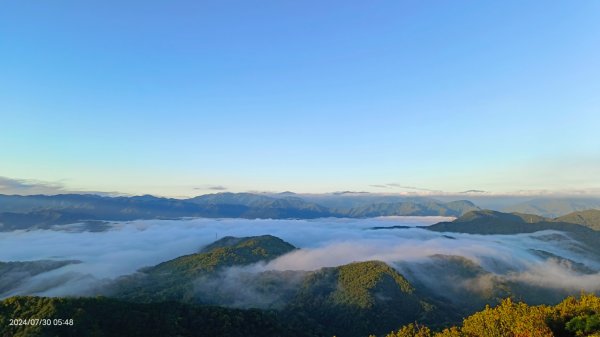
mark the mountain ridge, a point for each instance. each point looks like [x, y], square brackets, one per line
[44, 212]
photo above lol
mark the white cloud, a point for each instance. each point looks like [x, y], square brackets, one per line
[324, 242]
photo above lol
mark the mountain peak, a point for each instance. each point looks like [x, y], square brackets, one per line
[263, 241]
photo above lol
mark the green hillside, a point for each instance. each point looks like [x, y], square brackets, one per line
[489, 222]
[226, 252]
[376, 295]
[355, 300]
[175, 279]
[350, 300]
[572, 317]
[102, 317]
[589, 218]
[524, 223]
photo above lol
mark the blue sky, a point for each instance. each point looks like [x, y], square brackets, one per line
[176, 97]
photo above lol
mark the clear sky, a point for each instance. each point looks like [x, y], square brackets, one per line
[184, 97]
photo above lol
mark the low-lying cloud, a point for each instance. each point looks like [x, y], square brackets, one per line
[129, 246]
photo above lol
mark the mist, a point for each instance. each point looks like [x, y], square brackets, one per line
[547, 259]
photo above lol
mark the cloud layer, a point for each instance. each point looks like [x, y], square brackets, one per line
[129, 246]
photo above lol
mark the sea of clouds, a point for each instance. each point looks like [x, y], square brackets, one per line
[129, 246]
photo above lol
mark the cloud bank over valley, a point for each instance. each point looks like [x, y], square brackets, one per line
[547, 259]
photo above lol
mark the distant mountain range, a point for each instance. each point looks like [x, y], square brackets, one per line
[42, 211]
[421, 208]
[554, 207]
[93, 211]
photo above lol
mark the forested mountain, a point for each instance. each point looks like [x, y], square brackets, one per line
[349, 300]
[483, 220]
[589, 218]
[176, 279]
[357, 299]
[103, 317]
[493, 222]
[572, 317]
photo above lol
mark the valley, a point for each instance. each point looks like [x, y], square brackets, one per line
[312, 277]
